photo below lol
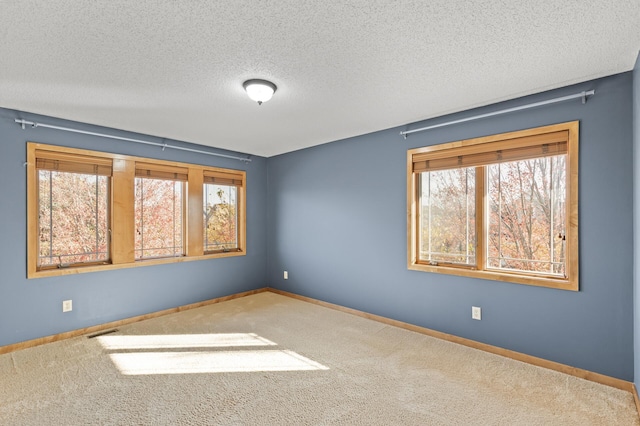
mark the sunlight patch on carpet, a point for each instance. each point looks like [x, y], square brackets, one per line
[187, 354]
[145, 363]
[175, 341]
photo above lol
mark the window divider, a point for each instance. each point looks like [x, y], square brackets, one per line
[195, 222]
[122, 223]
[481, 212]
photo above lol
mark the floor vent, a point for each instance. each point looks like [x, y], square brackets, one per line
[102, 333]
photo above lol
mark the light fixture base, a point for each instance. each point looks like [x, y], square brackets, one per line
[259, 90]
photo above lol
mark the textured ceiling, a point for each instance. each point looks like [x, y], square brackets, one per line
[175, 68]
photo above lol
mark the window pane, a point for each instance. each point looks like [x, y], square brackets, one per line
[72, 218]
[527, 215]
[159, 218]
[447, 216]
[220, 217]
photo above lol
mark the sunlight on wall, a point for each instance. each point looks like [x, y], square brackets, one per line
[147, 354]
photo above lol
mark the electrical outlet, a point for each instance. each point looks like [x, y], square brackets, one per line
[67, 305]
[286, 275]
[476, 313]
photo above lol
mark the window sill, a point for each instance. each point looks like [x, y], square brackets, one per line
[558, 283]
[110, 266]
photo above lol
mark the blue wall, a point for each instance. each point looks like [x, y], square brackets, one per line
[337, 223]
[33, 308]
[334, 216]
[636, 217]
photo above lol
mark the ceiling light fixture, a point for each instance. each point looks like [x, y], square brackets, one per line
[259, 90]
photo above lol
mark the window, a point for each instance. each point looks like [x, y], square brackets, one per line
[448, 216]
[502, 207]
[89, 211]
[73, 209]
[530, 238]
[159, 211]
[220, 210]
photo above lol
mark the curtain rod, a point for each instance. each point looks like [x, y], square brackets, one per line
[582, 95]
[24, 123]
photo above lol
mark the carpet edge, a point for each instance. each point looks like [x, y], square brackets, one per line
[636, 399]
[496, 350]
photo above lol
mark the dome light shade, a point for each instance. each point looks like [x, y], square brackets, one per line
[259, 90]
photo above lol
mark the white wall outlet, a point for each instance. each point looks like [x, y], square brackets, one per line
[286, 275]
[67, 305]
[476, 313]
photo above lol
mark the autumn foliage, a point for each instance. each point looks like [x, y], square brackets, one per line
[220, 211]
[159, 215]
[525, 219]
[72, 218]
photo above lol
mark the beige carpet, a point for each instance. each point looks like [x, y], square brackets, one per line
[272, 360]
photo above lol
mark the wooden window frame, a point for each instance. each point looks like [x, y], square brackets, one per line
[50, 161]
[474, 148]
[121, 211]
